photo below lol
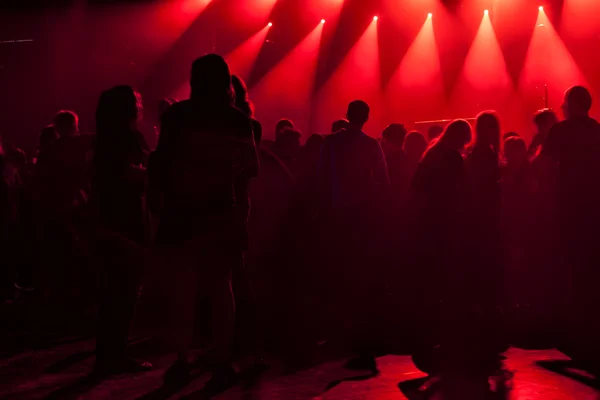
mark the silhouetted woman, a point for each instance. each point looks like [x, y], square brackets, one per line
[118, 188]
[448, 345]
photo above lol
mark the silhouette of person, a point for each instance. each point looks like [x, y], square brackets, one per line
[162, 106]
[354, 181]
[339, 125]
[451, 343]
[483, 169]
[414, 148]
[544, 120]
[434, 132]
[283, 125]
[47, 138]
[287, 147]
[118, 193]
[574, 146]
[65, 170]
[205, 152]
[393, 142]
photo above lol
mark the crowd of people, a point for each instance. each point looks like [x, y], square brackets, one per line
[447, 237]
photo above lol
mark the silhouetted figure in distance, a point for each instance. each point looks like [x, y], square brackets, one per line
[353, 182]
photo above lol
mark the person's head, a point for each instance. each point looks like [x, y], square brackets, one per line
[163, 105]
[47, 137]
[515, 150]
[544, 120]
[211, 80]
[283, 125]
[242, 100]
[393, 136]
[287, 144]
[434, 132]
[118, 109]
[339, 125]
[487, 131]
[509, 135]
[66, 123]
[415, 145]
[456, 135]
[577, 102]
[358, 113]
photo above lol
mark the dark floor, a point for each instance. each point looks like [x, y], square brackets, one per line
[59, 372]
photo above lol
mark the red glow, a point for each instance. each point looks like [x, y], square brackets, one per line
[548, 62]
[325, 8]
[286, 91]
[580, 18]
[357, 77]
[485, 82]
[241, 60]
[419, 79]
[256, 9]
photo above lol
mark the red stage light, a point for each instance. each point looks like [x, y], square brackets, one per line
[322, 21]
[486, 12]
[429, 15]
[270, 24]
[541, 8]
[375, 18]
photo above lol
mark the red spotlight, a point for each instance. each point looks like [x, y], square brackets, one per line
[541, 8]
[486, 12]
[270, 24]
[375, 18]
[322, 21]
[429, 15]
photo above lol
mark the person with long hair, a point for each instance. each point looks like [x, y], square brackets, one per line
[118, 195]
[441, 277]
[205, 155]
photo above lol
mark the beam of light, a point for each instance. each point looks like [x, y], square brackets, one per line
[580, 18]
[548, 62]
[416, 89]
[484, 82]
[286, 90]
[241, 60]
[357, 77]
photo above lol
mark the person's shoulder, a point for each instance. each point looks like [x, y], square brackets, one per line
[177, 109]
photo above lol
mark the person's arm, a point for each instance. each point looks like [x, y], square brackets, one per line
[551, 148]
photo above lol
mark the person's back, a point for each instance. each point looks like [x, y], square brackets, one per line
[204, 151]
[574, 144]
[353, 171]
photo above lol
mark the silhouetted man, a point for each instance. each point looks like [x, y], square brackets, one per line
[544, 120]
[574, 145]
[353, 180]
[205, 151]
[283, 125]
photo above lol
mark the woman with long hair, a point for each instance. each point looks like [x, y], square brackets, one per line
[118, 194]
